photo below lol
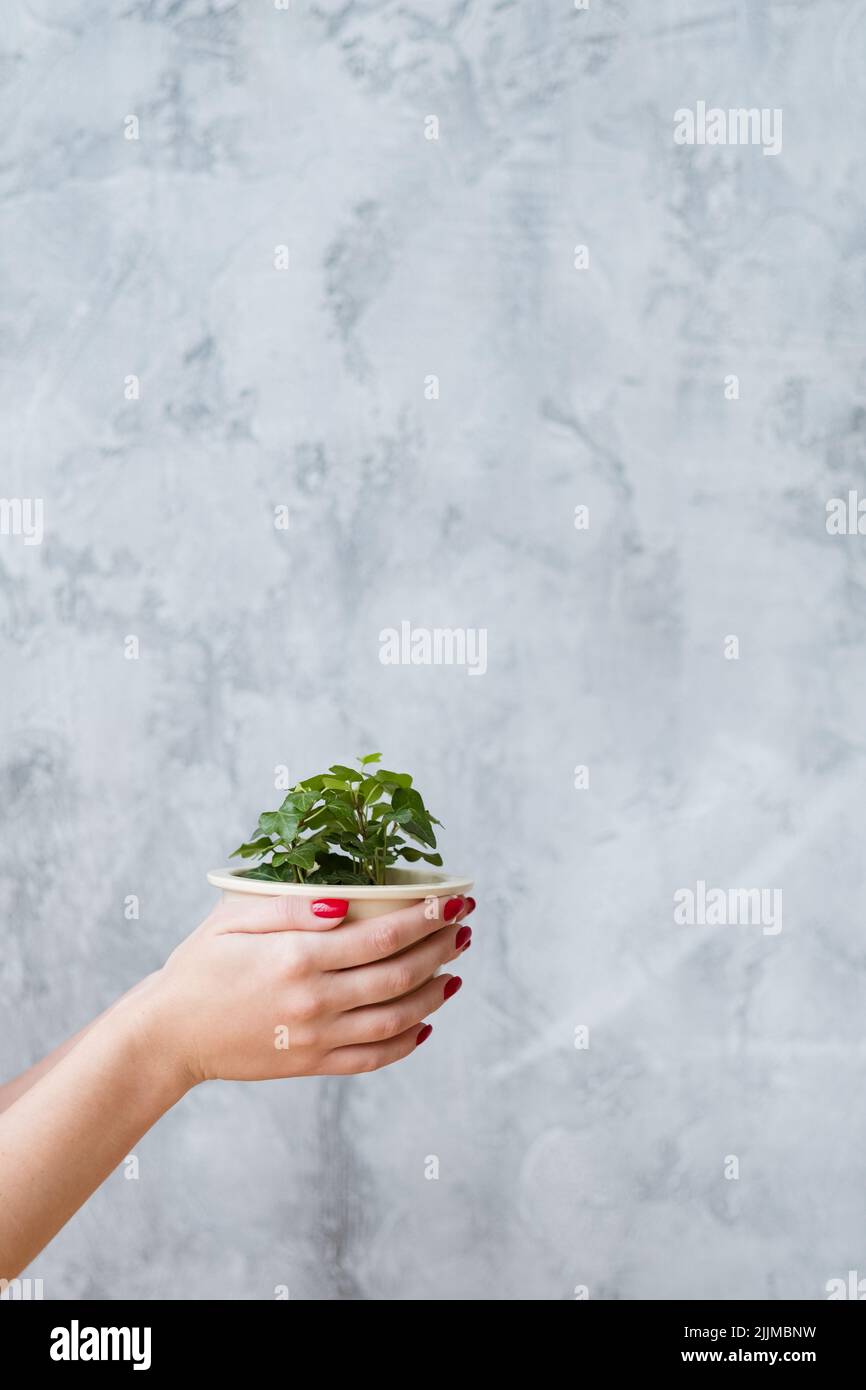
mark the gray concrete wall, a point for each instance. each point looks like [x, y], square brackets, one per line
[606, 386]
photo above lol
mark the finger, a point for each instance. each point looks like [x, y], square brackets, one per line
[281, 912]
[390, 979]
[346, 1061]
[379, 937]
[462, 942]
[378, 1022]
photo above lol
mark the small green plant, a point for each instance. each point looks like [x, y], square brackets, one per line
[343, 826]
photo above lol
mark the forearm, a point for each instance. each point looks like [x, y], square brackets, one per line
[19, 1084]
[72, 1128]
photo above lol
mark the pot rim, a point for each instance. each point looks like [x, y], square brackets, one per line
[419, 885]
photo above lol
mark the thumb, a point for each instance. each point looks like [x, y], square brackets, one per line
[283, 912]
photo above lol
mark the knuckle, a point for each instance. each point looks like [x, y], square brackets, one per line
[400, 979]
[306, 1004]
[372, 1060]
[284, 908]
[297, 959]
[392, 1024]
[385, 938]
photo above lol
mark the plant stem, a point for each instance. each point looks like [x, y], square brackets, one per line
[384, 851]
[363, 827]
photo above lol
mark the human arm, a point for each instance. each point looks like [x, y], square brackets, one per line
[247, 996]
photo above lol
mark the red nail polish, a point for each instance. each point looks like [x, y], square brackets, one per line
[330, 907]
[452, 986]
[424, 1034]
[452, 907]
[466, 947]
[470, 905]
[463, 937]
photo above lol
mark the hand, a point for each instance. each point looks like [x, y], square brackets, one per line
[267, 988]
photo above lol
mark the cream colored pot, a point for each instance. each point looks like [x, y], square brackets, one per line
[404, 887]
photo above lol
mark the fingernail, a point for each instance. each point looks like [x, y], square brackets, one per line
[424, 1034]
[330, 907]
[470, 905]
[452, 907]
[452, 986]
[463, 937]
[466, 947]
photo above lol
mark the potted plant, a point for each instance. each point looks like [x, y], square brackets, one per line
[350, 829]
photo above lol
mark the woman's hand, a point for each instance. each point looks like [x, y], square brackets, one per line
[261, 989]
[276, 987]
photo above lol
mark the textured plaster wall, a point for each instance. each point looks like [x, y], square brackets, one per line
[307, 388]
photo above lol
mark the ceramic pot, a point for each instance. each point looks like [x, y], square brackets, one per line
[404, 887]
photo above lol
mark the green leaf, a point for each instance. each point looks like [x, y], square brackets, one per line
[421, 816]
[413, 855]
[407, 796]
[369, 758]
[251, 848]
[340, 877]
[334, 836]
[303, 855]
[367, 848]
[299, 803]
[387, 812]
[371, 790]
[348, 774]
[335, 783]
[340, 813]
[419, 828]
[393, 779]
[313, 783]
[337, 868]
[269, 873]
[283, 824]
